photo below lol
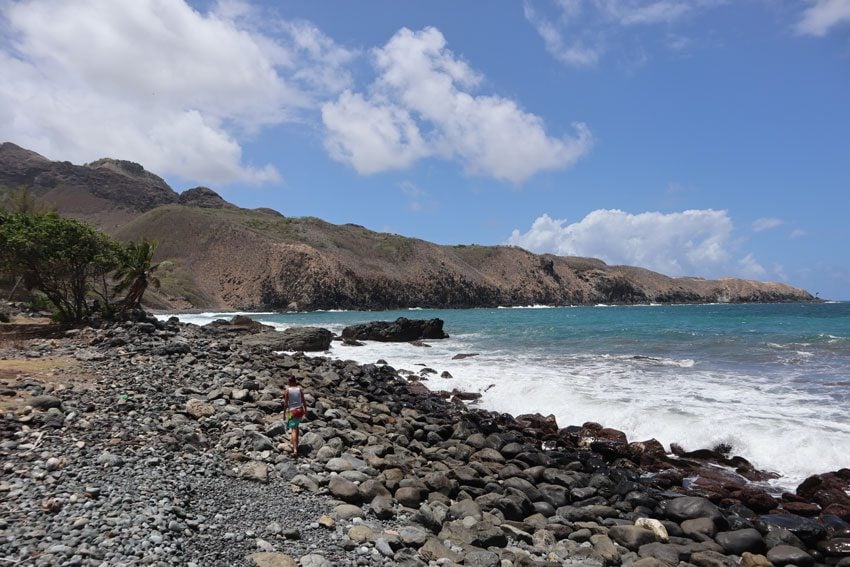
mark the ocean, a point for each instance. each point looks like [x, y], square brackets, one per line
[772, 381]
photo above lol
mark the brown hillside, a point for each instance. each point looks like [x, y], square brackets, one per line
[217, 255]
[249, 260]
[106, 193]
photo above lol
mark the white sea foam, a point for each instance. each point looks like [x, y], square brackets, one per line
[765, 420]
[765, 417]
[535, 306]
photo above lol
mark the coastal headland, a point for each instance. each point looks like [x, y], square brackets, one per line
[215, 255]
[153, 442]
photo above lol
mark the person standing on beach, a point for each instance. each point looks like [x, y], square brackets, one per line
[296, 409]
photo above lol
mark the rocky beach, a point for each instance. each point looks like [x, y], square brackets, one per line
[163, 443]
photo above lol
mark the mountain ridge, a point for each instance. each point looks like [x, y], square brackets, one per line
[218, 255]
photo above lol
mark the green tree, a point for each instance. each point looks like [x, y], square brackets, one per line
[22, 200]
[135, 272]
[57, 257]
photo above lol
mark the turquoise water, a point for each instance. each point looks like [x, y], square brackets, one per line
[771, 380]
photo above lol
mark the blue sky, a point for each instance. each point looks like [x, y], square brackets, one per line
[693, 137]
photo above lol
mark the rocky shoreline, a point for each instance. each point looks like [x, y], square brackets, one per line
[161, 443]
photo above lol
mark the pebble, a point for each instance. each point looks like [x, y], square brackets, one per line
[138, 472]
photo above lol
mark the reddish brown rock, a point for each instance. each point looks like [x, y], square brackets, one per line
[840, 510]
[802, 508]
[539, 424]
[644, 452]
[756, 499]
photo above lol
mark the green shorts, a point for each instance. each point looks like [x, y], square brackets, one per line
[293, 418]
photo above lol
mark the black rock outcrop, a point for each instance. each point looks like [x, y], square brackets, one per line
[305, 339]
[400, 330]
[203, 197]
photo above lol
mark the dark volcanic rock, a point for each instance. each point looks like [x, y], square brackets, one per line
[739, 541]
[830, 490]
[400, 330]
[782, 555]
[241, 323]
[305, 339]
[807, 530]
[203, 197]
[690, 507]
[181, 454]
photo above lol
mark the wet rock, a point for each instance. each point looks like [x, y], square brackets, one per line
[780, 536]
[756, 499]
[400, 330]
[807, 509]
[835, 526]
[690, 507]
[835, 547]
[645, 452]
[783, 555]
[807, 530]
[739, 541]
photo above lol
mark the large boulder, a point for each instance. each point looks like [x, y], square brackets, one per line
[295, 338]
[804, 528]
[738, 541]
[400, 330]
[783, 555]
[631, 537]
[241, 323]
[690, 507]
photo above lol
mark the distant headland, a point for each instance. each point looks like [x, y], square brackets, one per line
[219, 256]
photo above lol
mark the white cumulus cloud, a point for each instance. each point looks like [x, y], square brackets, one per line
[157, 82]
[823, 15]
[693, 242]
[423, 104]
